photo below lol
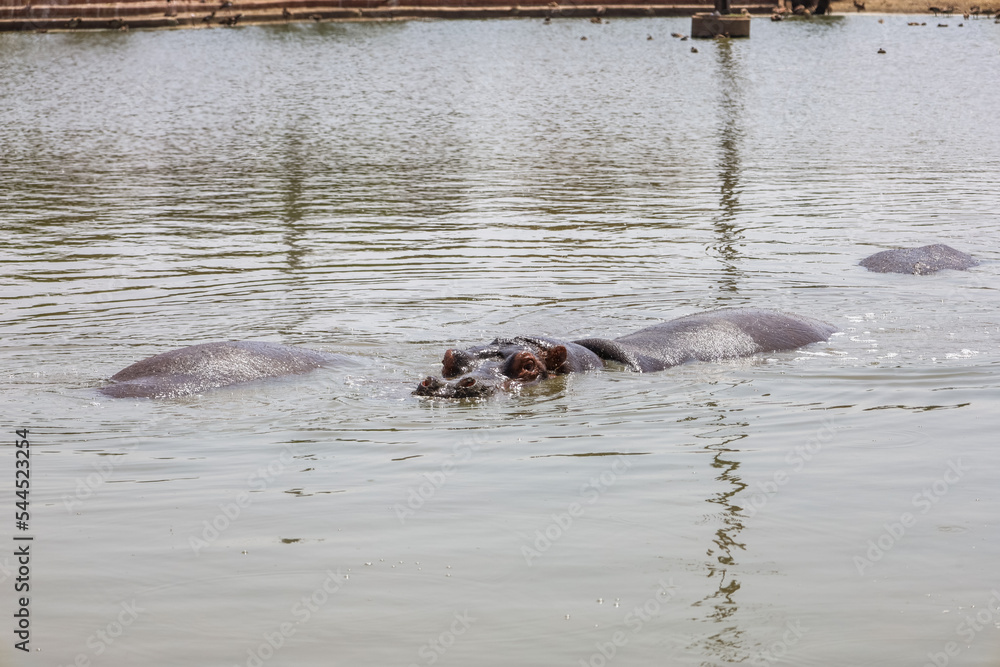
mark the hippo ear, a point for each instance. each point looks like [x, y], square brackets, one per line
[449, 365]
[455, 363]
[555, 359]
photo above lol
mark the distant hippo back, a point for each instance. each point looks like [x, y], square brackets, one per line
[919, 261]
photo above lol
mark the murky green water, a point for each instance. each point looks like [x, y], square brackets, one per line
[389, 191]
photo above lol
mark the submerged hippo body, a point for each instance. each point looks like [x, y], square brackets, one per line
[197, 368]
[506, 364]
[919, 261]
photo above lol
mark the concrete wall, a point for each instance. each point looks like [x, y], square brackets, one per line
[138, 14]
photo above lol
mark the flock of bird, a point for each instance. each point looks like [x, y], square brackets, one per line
[859, 5]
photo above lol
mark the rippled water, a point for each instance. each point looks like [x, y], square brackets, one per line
[392, 190]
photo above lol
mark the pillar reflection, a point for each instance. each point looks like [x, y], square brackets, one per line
[728, 231]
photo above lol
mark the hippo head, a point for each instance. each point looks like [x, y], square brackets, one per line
[502, 366]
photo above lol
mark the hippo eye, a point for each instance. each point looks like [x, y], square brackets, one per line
[467, 382]
[529, 365]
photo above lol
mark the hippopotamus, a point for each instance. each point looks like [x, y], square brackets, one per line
[919, 261]
[507, 364]
[194, 369]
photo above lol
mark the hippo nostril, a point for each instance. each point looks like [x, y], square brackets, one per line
[467, 382]
[428, 386]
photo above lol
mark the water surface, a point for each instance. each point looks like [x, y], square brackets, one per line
[391, 190]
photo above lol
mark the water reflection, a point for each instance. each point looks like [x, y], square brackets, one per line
[726, 642]
[730, 81]
[292, 209]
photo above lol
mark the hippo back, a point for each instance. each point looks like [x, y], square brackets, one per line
[710, 336]
[919, 261]
[206, 366]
